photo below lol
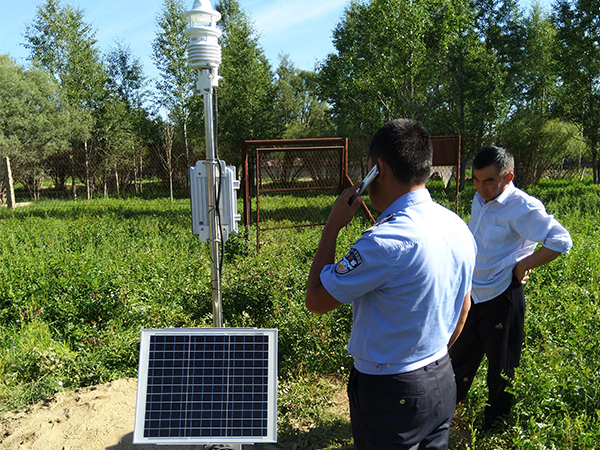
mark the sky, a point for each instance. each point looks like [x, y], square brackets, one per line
[301, 29]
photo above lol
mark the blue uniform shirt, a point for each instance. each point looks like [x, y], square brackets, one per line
[407, 277]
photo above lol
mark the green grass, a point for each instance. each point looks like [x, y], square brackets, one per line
[79, 280]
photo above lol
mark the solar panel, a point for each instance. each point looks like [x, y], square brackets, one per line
[207, 385]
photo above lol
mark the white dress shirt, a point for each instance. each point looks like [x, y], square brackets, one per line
[506, 230]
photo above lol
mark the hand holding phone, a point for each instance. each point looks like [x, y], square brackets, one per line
[367, 180]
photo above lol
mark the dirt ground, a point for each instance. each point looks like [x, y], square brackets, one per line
[95, 418]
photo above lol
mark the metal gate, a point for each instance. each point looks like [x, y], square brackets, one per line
[298, 168]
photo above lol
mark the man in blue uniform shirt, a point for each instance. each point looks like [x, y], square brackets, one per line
[408, 279]
[507, 225]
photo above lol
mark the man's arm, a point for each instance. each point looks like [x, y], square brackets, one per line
[318, 300]
[462, 318]
[541, 256]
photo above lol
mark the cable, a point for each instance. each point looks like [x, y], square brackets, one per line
[218, 211]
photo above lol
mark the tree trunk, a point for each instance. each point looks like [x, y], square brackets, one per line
[135, 174]
[8, 182]
[171, 186]
[88, 187]
[71, 169]
[117, 181]
[141, 173]
[594, 149]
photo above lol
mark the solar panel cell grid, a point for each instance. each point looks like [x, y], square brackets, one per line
[207, 386]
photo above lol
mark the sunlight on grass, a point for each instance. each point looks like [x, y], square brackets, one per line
[79, 280]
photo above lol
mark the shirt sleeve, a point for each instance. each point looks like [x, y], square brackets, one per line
[365, 268]
[535, 224]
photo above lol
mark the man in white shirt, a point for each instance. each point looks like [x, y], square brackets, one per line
[507, 225]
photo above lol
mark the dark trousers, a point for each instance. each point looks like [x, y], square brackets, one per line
[495, 329]
[406, 411]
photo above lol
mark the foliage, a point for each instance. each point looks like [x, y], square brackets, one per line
[298, 108]
[578, 56]
[557, 383]
[538, 144]
[390, 59]
[77, 284]
[307, 413]
[65, 45]
[500, 27]
[538, 69]
[95, 100]
[31, 122]
[177, 78]
[473, 69]
[468, 68]
[126, 76]
[246, 93]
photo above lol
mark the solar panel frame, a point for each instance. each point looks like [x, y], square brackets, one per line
[206, 386]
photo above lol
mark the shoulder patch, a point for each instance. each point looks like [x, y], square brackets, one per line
[350, 262]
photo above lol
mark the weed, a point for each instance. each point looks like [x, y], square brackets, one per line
[79, 281]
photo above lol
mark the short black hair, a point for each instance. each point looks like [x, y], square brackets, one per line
[406, 146]
[497, 156]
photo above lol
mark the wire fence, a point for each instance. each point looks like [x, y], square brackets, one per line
[291, 174]
[147, 173]
[81, 174]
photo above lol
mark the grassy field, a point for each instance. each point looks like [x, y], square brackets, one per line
[78, 280]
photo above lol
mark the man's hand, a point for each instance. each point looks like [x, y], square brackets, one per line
[318, 300]
[542, 255]
[521, 273]
[343, 209]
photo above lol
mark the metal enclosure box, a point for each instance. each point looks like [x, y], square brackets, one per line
[225, 191]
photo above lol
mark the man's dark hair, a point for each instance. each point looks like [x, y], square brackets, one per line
[406, 146]
[497, 156]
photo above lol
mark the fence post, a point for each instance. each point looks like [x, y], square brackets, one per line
[10, 189]
[246, 186]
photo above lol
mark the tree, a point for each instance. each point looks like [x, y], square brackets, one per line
[538, 79]
[32, 124]
[287, 101]
[538, 143]
[475, 104]
[391, 57]
[472, 70]
[177, 78]
[117, 140]
[127, 82]
[499, 24]
[62, 43]
[247, 92]
[126, 76]
[167, 158]
[297, 106]
[578, 58]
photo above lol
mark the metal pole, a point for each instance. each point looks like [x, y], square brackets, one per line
[212, 180]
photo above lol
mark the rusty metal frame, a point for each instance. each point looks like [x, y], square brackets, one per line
[282, 145]
[446, 152]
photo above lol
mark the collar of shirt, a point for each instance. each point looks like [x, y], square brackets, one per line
[502, 198]
[406, 201]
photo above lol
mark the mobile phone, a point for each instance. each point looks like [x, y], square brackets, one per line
[367, 180]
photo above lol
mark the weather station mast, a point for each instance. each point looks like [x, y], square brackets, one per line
[215, 387]
[213, 184]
